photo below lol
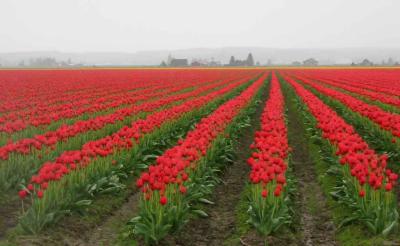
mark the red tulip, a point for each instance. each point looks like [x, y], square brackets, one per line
[163, 200]
[388, 187]
[278, 191]
[44, 185]
[40, 194]
[268, 161]
[264, 193]
[22, 194]
[182, 189]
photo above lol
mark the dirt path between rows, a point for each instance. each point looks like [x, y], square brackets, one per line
[108, 231]
[221, 223]
[10, 208]
[316, 225]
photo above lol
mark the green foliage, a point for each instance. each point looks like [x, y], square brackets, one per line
[268, 214]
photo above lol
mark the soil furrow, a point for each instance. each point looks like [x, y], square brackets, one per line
[316, 226]
[10, 209]
[107, 232]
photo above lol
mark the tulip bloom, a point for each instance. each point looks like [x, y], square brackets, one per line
[268, 164]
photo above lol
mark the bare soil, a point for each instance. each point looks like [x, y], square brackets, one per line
[10, 208]
[107, 232]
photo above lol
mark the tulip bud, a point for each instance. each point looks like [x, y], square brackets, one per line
[40, 194]
[22, 194]
[182, 189]
[264, 193]
[388, 187]
[163, 200]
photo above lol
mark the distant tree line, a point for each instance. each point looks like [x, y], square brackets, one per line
[311, 62]
[248, 62]
[45, 62]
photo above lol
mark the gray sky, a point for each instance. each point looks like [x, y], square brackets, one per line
[130, 25]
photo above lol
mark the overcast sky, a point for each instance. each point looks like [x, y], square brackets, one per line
[130, 25]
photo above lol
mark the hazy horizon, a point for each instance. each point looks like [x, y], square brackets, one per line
[199, 48]
[134, 26]
[222, 55]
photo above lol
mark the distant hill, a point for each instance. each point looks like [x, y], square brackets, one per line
[263, 55]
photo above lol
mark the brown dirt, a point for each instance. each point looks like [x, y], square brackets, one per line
[398, 193]
[107, 232]
[10, 208]
[316, 225]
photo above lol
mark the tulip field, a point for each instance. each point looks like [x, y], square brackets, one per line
[210, 156]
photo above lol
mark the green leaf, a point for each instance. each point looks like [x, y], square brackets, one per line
[147, 157]
[83, 203]
[389, 228]
[348, 221]
[203, 200]
[134, 220]
[49, 218]
[201, 213]
[110, 190]
[336, 194]
[142, 166]
[333, 170]
[371, 226]
[92, 188]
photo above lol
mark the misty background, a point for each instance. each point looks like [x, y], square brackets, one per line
[130, 32]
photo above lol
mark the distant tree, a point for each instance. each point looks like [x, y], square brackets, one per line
[296, 63]
[250, 60]
[310, 62]
[163, 64]
[390, 61]
[232, 61]
[44, 62]
[257, 63]
[169, 60]
[366, 63]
